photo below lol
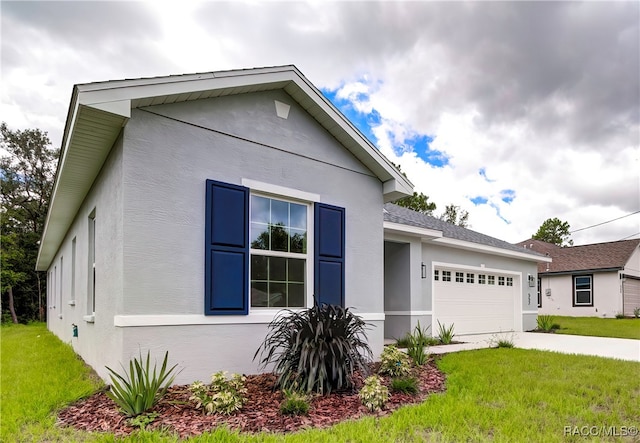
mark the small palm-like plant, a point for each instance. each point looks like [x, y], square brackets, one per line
[445, 334]
[140, 389]
[317, 349]
[545, 323]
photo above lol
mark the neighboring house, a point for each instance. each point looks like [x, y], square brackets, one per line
[437, 272]
[601, 279]
[188, 210]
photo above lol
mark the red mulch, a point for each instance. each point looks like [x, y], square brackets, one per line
[261, 411]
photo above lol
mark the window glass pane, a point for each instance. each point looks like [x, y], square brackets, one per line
[501, 281]
[470, 278]
[296, 270]
[298, 216]
[295, 295]
[277, 295]
[259, 209]
[583, 282]
[279, 213]
[583, 297]
[482, 279]
[492, 279]
[436, 275]
[277, 269]
[298, 241]
[259, 295]
[259, 267]
[279, 239]
[259, 236]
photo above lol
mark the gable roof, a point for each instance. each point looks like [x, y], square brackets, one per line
[99, 111]
[593, 257]
[456, 236]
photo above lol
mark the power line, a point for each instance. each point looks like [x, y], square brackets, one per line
[605, 222]
[629, 236]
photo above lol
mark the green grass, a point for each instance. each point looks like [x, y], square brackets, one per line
[497, 395]
[599, 327]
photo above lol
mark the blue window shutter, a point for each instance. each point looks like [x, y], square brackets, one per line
[226, 249]
[329, 227]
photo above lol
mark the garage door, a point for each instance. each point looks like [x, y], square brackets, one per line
[475, 302]
[631, 295]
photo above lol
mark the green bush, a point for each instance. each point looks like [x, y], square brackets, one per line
[406, 385]
[445, 334]
[416, 345]
[224, 395]
[140, 389]
[317, 349]
[295, 403]
[394, 362]
[545, 323]
[374, 394]
[619, 315]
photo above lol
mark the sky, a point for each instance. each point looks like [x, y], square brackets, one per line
[517, 112]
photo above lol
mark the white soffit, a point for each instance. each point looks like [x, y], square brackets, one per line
[412, 231]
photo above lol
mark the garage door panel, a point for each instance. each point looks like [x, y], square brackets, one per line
[475, 308]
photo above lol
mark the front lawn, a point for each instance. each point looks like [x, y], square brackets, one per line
[599, 327]
[492, 395]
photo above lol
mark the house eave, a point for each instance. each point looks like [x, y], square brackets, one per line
[486, 249]
[411, 231]
[99, 111]
[579, 271]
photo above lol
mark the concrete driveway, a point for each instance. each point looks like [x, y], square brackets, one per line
[621, 348]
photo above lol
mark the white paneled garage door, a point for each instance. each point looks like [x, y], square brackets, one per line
[475, 302]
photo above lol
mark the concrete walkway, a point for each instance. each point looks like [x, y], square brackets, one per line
[620, 348]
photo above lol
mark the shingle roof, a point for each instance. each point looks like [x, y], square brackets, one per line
[398, 214]
[593, 257]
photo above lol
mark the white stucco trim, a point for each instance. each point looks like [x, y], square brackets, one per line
[470, 246]
[282, 191]
[127, 321]
[412, 231]
[394, 313]
[530, 312]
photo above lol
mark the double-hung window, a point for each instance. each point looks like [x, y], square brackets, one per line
[279, 253]
[583, 290]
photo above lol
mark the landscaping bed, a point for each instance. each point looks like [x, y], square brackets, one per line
[260, 413]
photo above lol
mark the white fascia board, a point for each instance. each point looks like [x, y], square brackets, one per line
[412, 231]
[470, 246]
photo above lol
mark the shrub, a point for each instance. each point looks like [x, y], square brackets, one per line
[224, 395]
[406, 385]
[295, 403]
[545, 323]
[619, 315]
[416, 345]
[374, 394]
[394, 362]
[505, 343]
[445, 334]
[636, 312]
[317, 349]
[140, 389]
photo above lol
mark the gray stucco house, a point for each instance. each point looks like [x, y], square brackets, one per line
[188, 210]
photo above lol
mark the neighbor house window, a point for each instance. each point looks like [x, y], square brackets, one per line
[91, 283]
[279, 252]
[446, 275]
[583, 290]
[460, 277]
[491, 279]
[470, 278]
[482, 279]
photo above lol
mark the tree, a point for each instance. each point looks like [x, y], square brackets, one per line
[419, 202]
[27, 172]
[555, 231]
[455, 215]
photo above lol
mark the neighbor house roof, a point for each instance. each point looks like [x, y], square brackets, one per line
[453, 235]
[98, 111]
[593, 257]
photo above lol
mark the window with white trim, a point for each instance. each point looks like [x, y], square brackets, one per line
[482, 279]
[582, 290]
[61, 287]
[509, 281]
[279, 253]
[91, 281]
[436, 275]
[470, 278]
[459, 277]
[500, 280]
[491, 279]
[446, 275]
